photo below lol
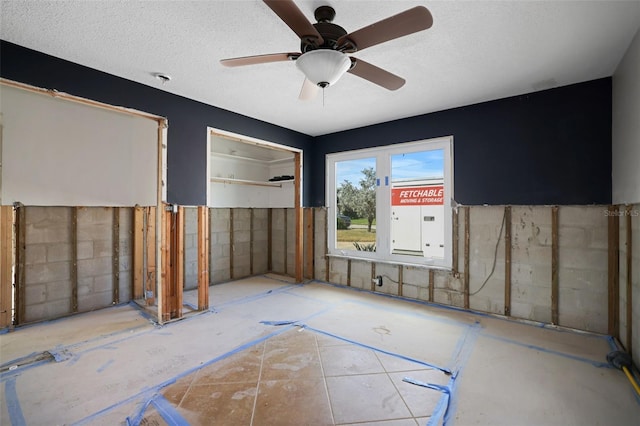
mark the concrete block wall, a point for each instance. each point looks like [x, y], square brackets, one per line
[320, 244]
[291, 242]
[49, 262]
[47, 271]
[245, 246]
[635, 273]
[583, 282]
[95, 258]
[278, 239]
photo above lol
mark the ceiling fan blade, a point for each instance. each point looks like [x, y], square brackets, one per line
[259, 59]
[295, 19]
[309, 91]
[376, 75]
[408, 22]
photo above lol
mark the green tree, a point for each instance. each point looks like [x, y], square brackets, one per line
[361, 200]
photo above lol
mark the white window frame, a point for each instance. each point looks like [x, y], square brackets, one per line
[383, 210]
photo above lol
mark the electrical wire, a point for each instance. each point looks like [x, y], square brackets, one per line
[495, 257]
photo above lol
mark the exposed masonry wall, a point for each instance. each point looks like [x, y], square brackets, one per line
[48, 260]
[246, 255]
[635, 273]
[582, 241]
[634, 344]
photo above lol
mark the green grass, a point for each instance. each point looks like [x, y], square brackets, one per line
[361, 221]
[360, 235]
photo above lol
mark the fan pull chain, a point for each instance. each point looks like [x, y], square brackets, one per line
[323, 97]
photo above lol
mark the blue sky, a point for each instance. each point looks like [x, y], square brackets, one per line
[403, 166]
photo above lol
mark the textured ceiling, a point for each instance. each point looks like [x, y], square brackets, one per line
[475, 51]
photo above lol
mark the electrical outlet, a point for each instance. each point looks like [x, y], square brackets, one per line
[377, 281]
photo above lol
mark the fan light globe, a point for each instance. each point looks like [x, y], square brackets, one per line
[323, 67]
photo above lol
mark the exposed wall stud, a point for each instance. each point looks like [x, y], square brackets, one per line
[203, 258]
[270, 240]
[614, 271]
[166, 298]
[20, 293]
[507, 261]
[431, 285]
[467, 227]
[373, 275]
[115, 256]
[151, 247]
[309, 252]
[179, 259]
[455, 241]
[349, 272]
[74, 259]
[251, 244]
[138, 252]
[231, 244]
[327, 260]
[6, 265]
[629, 262]
[299, 233]
[555, 270]
[286, 246]
[400, 274]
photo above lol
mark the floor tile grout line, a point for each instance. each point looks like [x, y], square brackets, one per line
[324, 379]
[394, 385]
[255, 400]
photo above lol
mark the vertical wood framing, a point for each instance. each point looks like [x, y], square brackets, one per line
[455, 242]
[20, 293]
[6, 265]
[555, 270]
[327, 260]
[373, 276]
[165, 296]
[150, 272]
[179, 261]
[231, 245]
[251, 243]
[203, 258]
[74, 259]
[138, 252]
[270, 240]
[431, 284]
[286, 248]
[467, 227]
[299, 271]
[349, 272]
[310, 255]
[614, 271]
[400, 277]
[115, 254]
[507, 260]
[629, 283]
[158, 234]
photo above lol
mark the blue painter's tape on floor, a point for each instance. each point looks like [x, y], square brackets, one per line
[13, 404]
[168, 412]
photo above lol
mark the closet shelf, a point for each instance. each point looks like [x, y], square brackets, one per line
[276, 184]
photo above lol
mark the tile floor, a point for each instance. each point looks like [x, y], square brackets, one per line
[270, 352]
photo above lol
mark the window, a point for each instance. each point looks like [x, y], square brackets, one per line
[392, 203]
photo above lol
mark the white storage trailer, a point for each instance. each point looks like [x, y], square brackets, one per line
[417, 214]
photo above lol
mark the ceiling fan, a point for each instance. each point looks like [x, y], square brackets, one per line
[324, 46]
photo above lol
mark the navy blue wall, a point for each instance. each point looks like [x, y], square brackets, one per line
[188, 119]
[548, 147]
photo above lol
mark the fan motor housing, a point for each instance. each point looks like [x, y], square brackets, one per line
[329, 31]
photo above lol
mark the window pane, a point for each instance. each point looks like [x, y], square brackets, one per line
[356, 201]
[417, 204]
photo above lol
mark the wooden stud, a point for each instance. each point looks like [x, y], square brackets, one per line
[455, 242]
[327, 259]
[151, 270]
[614, 271]
[299, 232]
[286, 248]
[6, 265]
[270, 240]
[629, 262]
[138, 252]
[348, 272]
[179, 259]
[373, 276]
[467, 227]
[166, 296]
[431, 284]
[251, 230]
[20, 292]
[231, 244]
[555, 270]
[74, 259]
[203, 258]
[507, 261]
[115, 256]
[400, 277]
[310, 256]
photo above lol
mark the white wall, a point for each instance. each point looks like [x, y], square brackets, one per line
[626, 127]
[57, 152]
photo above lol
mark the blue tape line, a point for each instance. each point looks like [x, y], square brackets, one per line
[5, 330]
[255, 297]
[143, 313]
[440, 410]
[190, 306]
[434, 386]
[406, 358]
[168, 412]
[549, 351]
[137, 418]
[612, 343]
[462, 351]
[104, 366]
[278, 322]
[13, 404]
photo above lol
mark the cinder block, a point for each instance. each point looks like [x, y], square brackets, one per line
[47, 272]
[361, 274]
[85, 286]
[35, 253]
[569, 236]
[47, 225]
[522, 310]
[242, 237]
[410, 291]
[190, 220]
[94, 267]
[49, 310]
[35, 294]
[102, 248]
[85, 250]
[590, 259]
[220, 275]
[94, 223]
[583, 216]
[95, 300]
[59, 290]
